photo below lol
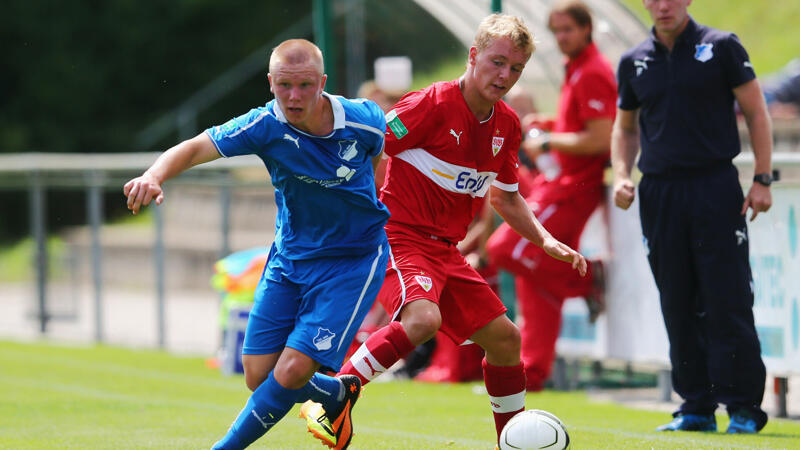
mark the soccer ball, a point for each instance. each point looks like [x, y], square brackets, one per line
[534, 428]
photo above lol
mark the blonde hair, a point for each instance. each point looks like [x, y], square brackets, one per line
[507, 26]
[296, 51]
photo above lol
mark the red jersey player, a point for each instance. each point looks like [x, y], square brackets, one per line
[451, 145]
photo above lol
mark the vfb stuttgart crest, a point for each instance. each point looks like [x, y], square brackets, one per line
[424, 282]
[497, 144]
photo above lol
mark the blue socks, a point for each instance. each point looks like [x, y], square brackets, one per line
[328, 391]
[265, 407]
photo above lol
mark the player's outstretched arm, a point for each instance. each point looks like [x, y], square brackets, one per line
[515, 211]
[191, 152]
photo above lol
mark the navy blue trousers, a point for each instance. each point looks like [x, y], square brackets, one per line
[698, 249]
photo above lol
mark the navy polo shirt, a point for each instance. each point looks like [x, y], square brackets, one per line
[687, 119]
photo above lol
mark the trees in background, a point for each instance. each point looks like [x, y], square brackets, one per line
[87, 76]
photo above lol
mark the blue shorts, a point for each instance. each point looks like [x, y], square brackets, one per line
[314, 306]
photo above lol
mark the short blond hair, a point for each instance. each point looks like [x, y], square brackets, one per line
[504, 25]
[296, 51]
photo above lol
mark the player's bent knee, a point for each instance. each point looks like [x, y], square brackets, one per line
[257, 368]
[421, 320]
[254, 378]
[502, 342]
[512, 339]
[293, 372]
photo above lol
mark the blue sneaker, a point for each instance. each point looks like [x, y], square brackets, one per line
[691, 422]
[742, 423]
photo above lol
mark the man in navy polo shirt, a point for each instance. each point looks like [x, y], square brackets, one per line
[676, 96]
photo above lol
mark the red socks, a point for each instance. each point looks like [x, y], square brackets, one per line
[379, 352]
[506, 389]
[505, 385]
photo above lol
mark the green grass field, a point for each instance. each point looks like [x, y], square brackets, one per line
[54, 396]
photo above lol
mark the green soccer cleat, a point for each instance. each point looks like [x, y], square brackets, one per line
[337, 434]
[318, 423]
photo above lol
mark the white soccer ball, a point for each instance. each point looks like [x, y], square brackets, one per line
[532, 429]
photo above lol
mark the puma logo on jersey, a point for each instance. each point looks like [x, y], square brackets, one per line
[741, 236]
[596, 104]
[457, 136]
[641, 65]
[289, 137]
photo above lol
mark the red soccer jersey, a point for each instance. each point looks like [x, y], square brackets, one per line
[443, 160]
[589, 92]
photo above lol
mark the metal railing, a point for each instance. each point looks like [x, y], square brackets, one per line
[95, 173]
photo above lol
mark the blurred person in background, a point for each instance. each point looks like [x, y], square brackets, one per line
[391, 82]
[326, 262]
[782, 91]
[450, 145]
[384, 98]
[522, 101]
[676, 100]
[564, 194]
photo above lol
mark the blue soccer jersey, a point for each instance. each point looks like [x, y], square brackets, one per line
[324, 185]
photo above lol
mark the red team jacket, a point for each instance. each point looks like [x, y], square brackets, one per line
[589, 92]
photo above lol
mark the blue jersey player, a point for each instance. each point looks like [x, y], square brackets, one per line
[330, 252]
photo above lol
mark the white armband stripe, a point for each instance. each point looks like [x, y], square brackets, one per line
[506, 187]
[508, 403]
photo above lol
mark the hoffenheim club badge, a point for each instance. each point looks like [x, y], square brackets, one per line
[703, 52]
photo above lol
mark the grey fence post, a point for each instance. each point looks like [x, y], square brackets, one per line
[781, 388]
[95, 217]
[158, 247]
[665, 384]
[38, 219]
[225, 219]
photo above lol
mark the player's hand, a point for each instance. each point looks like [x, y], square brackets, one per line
[141, 190]
[624, 193]
[474, 260]
[563, 252]
[759, 199]
[533, 146]
[536, 120]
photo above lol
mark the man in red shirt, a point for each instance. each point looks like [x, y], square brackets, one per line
[564, 195]
[450, 145]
